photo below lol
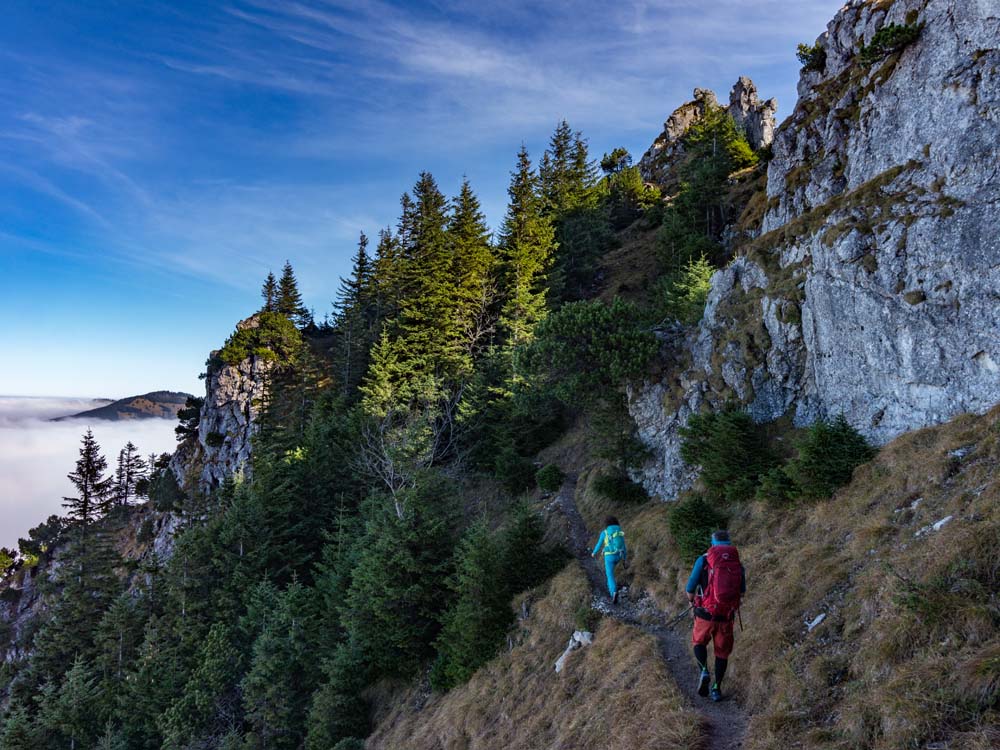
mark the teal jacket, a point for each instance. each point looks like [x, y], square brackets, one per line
[601, 538]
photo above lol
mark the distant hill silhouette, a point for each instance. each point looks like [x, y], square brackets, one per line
[157, 404]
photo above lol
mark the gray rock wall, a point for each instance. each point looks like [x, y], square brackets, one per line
[874, 289]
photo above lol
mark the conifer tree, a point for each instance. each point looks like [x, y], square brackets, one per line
[355, 318]
[91, 485]
[526, 246]
[565, 172]
[385, 277]
[394, 604]
[428, 321]
[473, 269]
[72, 715]
[289, 302]
[270, 293]
[18, 730]
[130, 471]
[475, 624]
[283, 671]
[207, 707]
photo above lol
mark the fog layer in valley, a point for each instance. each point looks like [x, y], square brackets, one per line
[36, 455]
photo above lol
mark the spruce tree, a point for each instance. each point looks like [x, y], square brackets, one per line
[283, 671]
[526, 247]
[270, 293]
[355, 318]
[565, 172]
[93, 488]
[129, 473]
[428, 320]
[72, 715]
[18, 730]
[386, 277]
[394, 604]
[473, 269]
[476, 623]
[289, 302]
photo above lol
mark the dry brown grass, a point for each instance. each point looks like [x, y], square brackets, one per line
[617, 688]
[909, 652]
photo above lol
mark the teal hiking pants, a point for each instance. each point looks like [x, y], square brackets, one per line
[610, 561]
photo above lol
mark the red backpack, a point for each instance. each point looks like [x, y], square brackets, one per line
[725, 581]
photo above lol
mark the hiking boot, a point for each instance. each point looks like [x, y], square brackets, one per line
[703, 682]
[716, 694]
[614, 598]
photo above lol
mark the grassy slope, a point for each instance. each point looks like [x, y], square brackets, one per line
[896, 663]
[613, 687]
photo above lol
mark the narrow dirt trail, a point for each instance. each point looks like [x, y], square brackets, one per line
[725, 722]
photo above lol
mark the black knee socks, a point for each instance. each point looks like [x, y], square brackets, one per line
[720, 669]
[701, 654]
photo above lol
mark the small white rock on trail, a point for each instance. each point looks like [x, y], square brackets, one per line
[725, 722]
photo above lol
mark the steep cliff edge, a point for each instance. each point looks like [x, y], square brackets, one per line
[872, 288]
[234, 397]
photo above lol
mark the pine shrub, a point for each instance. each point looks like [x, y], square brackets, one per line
[691, 523]
[619, 489]
[889, 39]
[731, 450]
[549, 478]
[515, 472]
[827, 457]
[813, 58]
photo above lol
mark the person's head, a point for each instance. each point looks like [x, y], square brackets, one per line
[720, 536]
[611, 521]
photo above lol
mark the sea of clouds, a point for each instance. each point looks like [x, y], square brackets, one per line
[36, 455]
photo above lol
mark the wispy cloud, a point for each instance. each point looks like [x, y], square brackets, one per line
[219, 141]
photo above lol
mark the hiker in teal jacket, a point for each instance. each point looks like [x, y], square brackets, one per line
[612, 541]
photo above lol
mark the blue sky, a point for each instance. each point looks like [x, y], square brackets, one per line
[158, 158]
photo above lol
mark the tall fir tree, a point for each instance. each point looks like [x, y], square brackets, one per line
[355, 319]
[527, 243]
[289, 302]
[427, 334]
[269, 292]
[473, 270]
[92, 486]
[129, 473]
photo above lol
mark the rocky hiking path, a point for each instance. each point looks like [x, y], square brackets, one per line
[725, 722]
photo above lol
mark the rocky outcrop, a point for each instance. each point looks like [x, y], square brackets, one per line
[234, 396]
[873, 289]
[756, 118]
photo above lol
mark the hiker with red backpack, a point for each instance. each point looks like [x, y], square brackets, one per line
[715, 588]
[612, 539]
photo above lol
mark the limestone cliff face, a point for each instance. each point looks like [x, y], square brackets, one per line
[234, 396]
[873, 289]
[754, 116]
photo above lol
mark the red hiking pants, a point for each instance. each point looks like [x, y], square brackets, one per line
[720, 633]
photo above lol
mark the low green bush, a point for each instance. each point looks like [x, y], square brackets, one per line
[619, 489]
[691, 523]
[274, 338]
[813, 58]
[586, 617]
[549, 478]
[515, 472]
[889, 39]
[731, 450]
[827, 457]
